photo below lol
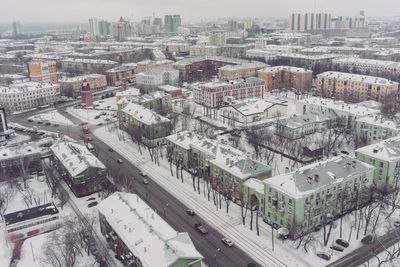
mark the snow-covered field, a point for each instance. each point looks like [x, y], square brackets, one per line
[105, 104]
[90, 115]
[52, 116]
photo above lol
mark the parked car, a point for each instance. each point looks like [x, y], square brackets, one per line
[253, 264]
[143, 173]
[145, 181]
[337, 247]
[100, 124]
[344, 152]
[92, 204]
[48, 123]
[91, 199]
[110, 149]
[367, 239]
[30, 120]
[39, 122]
[201, 228]
[120, 161]
[190, 212]
[324, 255]
[396, 224]
[342, 242]
[227, 241]
[56, 124]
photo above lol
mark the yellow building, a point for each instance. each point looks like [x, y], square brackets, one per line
[42, 71]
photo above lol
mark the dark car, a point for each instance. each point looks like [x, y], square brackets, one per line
[367, 239]
[201, 228]
[337, 247]
[120, 161]
[253, 264]
[56, 125]
[92, 204]
[111, 150]
[344, 152]
[324, 255]
[190, 212]
[91, 199]
[30, 120]
[48, 123]
[39, 122]
[342, 242]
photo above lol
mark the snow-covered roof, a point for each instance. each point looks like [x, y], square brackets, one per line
[255, 184]
[183, 139]
[169, 88]
[75, 157]
[144, 232]
[130, 92]
[124, 67]
[356, 77]
[341, 106]
[191, 60]
[244, 66]
[300, 121]
[157, 71]
[317, 176]
[90, 61]
[218, 84]
[20, 150]
[285, 68]
[252, 106]
[366, 62]
[379, 121]
[388, 150]
[81, 78]
[17, 88]
[143, 114]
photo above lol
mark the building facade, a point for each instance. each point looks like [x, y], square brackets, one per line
[149, 80]
[245, 70]
[72, 87]
[84, 65]
[373, 129]
[42, 71]
[309, 21]
[307, 199]
[284, 77]
[354, 87]
[23, 96]
[119, 75]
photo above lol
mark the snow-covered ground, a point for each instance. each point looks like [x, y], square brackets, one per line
[90, 115]
[106, 104]
[52, 116]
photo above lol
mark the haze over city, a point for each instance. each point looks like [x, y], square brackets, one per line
[190, 10]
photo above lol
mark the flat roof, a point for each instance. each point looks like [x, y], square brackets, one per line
[31, 213]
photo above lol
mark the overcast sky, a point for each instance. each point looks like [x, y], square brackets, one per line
[81, 10]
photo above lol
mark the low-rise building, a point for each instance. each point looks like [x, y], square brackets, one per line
[372, 129]
[158, 101]
[80, 169]
[349, 112]
[286, 77]
[217, 94]
[149, 80]
[84, 65]
[143, 124]
[175, 92]
[31, 222]
[28, 95]
[140, 237]
[385, 156]
[245, 70]
[121, 74]
[205, 50]
[372, 66]
[148, 64]
[72, 87]
[310, 197]
[249, 111]
[299, 126]
[354, 87]
[226, 168]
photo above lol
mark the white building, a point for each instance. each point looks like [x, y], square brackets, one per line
[372, 129]
[22, 96]
[155, 77]
[141, 237]
[30, 222]
[94, 27]
[248, 111]
[368, 65]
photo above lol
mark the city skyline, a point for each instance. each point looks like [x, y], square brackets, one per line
[192, 11]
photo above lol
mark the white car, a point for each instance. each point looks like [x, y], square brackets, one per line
[143, 173]
[227, 241]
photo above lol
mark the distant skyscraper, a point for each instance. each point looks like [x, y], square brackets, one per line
[93, 26]
[104, 28]
[310, 21]
[16, 28]
[232, 25]
[172, 22]
[157, 22]
[122, 29]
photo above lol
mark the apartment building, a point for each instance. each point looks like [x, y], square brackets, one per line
[157, 101]
[354, 87]
[150, 79]
[80, 169]
[373, 129]
[217, 94]
[23, 96]
[226, 167]
[299, 126]
[309, 21]
[140, 237]
[72, 87]
[385, 156]
[245, 70]
[121, 74]
[82, 65]
[42, 71]
[250, 111]
[144, 124]
[286, 77]
[205, 50]
[368, 66]
[148, 64]
[315, 194]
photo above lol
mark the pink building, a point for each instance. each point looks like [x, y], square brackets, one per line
[217, 94]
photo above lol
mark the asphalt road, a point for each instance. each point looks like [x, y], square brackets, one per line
[366, 252]
[215, 253]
